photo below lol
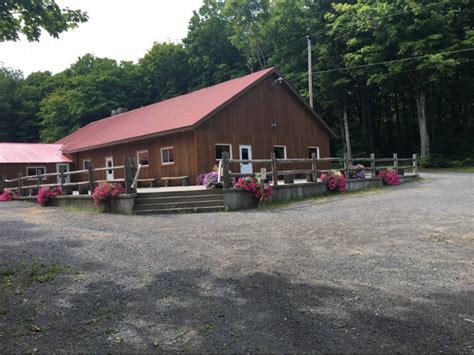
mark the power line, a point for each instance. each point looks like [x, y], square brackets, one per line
[265, 56]
[419, 69]
[392, 61]
[277, 50]
[389, 16]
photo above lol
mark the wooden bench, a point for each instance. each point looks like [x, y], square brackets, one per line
[151, 181]
[168, 179]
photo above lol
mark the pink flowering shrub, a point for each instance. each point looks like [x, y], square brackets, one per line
[335, 180]
[8, 195]
[47, 194]
[106, 192]
[390, 177]
[259, 188]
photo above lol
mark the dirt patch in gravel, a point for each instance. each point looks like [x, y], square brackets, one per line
[387, 271]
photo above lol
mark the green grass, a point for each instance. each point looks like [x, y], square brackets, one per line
[465, 169]
[14, 280]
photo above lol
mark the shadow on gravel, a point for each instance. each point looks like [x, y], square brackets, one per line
[28, 237]
[195, 311]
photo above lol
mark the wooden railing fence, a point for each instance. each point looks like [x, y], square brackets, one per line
[22, 184]
[313, 170]
[131, 172]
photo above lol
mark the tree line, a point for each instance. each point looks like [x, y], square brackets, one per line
[388, 75]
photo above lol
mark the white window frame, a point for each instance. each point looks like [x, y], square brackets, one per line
[37, 167]
[84, 163]
[227, 144]
[284, 150]
[318, 156]
[174, 155]
[138, 159]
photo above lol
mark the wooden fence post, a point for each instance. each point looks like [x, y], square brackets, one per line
[225, 168]
[20, 182]
[90, 177]
[346, 166]
[129, 174]
[395, 162]
[62, 180]
[314, 166]
[274, 170]
[3, 184]
[38, 176]
[415, 165]
[372, 165]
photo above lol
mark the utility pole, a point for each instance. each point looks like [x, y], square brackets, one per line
[310, 73]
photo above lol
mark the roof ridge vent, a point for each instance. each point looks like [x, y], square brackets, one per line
[118, 111]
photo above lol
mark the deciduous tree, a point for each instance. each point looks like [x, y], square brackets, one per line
[31, 17]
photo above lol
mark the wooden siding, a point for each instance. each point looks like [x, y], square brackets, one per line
[248, 121]
[183, 144]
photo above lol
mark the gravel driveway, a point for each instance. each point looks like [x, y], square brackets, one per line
[388, 270]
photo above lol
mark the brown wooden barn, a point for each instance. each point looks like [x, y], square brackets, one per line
[250, 117]
[29, 159]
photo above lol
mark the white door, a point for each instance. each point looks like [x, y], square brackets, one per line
[62, 168]
[246, 154]
[109, 162]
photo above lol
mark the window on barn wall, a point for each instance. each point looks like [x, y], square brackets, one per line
[35, 170]
[280, 151]
[313, 150]
[86, 163]
[221, 148]
[143, 158]
[167, 155]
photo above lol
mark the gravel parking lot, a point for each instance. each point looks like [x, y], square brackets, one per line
[388, 270]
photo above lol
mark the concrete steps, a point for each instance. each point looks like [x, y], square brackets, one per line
[193, 201]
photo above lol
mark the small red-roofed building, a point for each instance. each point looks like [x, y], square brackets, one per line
[30, 159]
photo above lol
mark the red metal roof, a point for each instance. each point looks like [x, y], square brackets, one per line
[178, 113]
[32, 153]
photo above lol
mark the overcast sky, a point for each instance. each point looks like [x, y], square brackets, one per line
[118, 29]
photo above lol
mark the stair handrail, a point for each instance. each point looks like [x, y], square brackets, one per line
[219, 175]
[135, 179]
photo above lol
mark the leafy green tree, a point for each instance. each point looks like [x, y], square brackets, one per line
[32, 90]
[426, 34]
[100, 85]
[165, 72]
[212, 56]
[285, 32]
[58, 115]
[30, 17]
[10, 81]
[247, 19]
[88, 91]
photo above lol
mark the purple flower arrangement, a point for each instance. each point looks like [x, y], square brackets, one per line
[357, 172]
[211, 180]
[200, 179]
